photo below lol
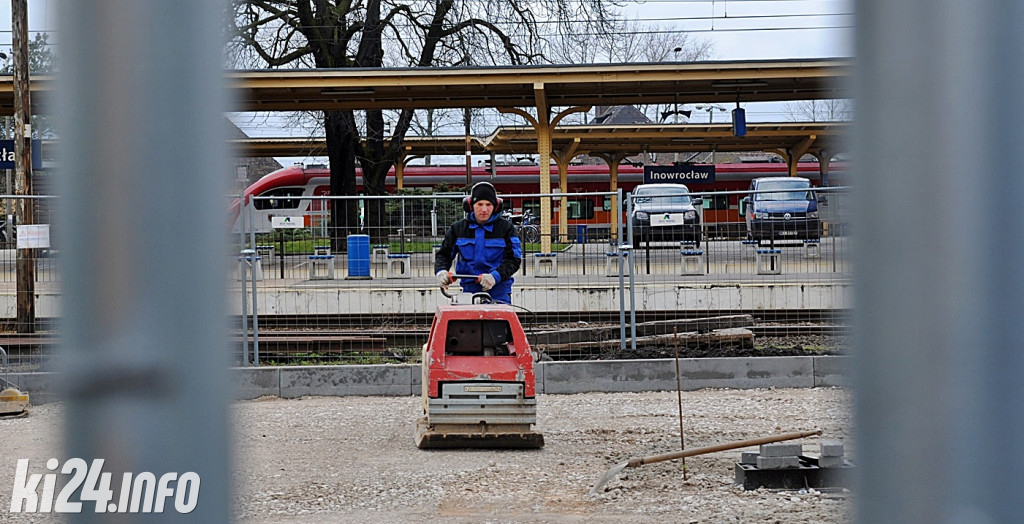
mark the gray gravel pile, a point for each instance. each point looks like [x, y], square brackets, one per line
[352, 459]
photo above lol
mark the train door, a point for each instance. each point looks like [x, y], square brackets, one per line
[718, 217]
[320, 210]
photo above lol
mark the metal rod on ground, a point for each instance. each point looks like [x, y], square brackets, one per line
[632, 282]
[619, 231]
[651, 459]
[679, 396]
[582, 242]
[252, 266]
[243, 218]
[622, 297]
[647, 254]
[280, 249]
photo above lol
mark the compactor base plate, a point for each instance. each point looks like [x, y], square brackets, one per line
[462, 436]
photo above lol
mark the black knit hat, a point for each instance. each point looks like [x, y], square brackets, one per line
[483, 191]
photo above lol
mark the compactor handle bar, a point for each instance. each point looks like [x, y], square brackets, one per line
[455, 276]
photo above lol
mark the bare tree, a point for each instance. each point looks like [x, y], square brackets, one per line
[832, 110]
[633, 41]
[640, 42]
[376, 33]
[40, 61]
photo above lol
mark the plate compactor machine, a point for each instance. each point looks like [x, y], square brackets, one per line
[13, 403]
[478, 381]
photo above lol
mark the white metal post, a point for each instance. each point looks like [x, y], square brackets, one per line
[940, 249]
[143, 175]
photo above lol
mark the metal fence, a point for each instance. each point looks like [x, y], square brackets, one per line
[593, 293]
[585, 289]
[33, 249]
[43, 258]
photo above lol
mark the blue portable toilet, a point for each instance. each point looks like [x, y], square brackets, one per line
[581, 233]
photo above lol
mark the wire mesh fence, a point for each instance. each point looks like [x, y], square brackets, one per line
[30, 281]
[590, 285]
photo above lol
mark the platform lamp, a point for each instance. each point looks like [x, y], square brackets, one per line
[665, 114]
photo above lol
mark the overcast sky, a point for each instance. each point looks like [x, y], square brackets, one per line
[42, 16]
[758, 29]
[739, 29]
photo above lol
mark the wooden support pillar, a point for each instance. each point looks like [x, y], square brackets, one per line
[400, 163]
[824, 158]
[798, 150]
[785, 154]
[543, 126]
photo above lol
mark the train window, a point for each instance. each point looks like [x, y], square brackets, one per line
[281, 200]
[716, 201]
[581, 209]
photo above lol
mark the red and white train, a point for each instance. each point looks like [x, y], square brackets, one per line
[292, 188]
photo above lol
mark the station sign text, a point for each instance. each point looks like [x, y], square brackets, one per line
[7, 154]
[681, 173]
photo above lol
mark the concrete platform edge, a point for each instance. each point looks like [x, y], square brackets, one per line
[606, 376]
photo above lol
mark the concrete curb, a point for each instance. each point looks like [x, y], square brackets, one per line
[554, 378]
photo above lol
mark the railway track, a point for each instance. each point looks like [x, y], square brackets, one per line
[305, 335]
[417, 337]
[422, 320]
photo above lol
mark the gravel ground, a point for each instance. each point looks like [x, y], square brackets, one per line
[352, 459]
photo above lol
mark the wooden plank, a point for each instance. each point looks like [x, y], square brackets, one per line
[659, 327]
[328, 344]
[731, 337]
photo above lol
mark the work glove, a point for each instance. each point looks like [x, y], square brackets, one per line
[486, 281]
[444, 278]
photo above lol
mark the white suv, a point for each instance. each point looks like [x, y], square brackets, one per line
[665, 212]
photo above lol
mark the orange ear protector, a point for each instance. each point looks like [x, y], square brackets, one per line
[467, 203]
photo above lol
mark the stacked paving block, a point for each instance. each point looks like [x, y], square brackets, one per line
[779, 455]
[831, 454]
[782, 465]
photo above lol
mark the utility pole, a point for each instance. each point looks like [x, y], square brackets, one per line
[25, 266]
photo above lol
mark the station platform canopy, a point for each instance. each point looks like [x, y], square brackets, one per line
[541, 86]
[519, 86]
[607, 139]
